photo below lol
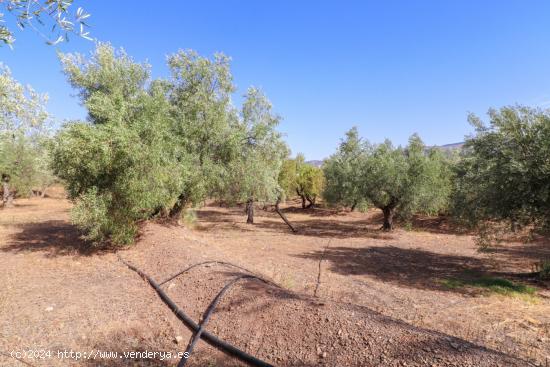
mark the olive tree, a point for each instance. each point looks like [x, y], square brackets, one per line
[309, 182]
[404, 180]
[504, 173]
[151, 147]
[287, 178]
[343, 173]
[24, 135]
[299, 178]
[397, 180]
[204, 123]
[253, 175]
[122, 165]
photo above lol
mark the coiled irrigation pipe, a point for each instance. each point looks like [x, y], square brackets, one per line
[195, 328]
[197, 335]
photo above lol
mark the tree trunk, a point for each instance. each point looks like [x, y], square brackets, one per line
[7, 195]
[311, 201]
[353, 205]
[388, 218]
[283, 216]
[303, 201]
[177, 209]
[250, 211]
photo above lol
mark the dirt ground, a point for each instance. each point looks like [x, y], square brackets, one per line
[350, 295]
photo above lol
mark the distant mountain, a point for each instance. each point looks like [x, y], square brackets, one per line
[452, 146]
[315, 163]
[445, 147]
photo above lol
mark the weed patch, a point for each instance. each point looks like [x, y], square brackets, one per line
[490, 284]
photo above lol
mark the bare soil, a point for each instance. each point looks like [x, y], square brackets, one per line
[350, 295]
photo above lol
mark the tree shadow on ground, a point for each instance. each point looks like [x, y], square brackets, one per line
[262, 295]
[324, 228]
[219, 219]
[53, 238]
[436, 224]
[314, 211]
[320, 226]
[407, 267]
[446, 350]
[328, 228]
[536, 250]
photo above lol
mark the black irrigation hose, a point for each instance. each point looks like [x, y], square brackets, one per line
[209, 338]
[203, 263]
[197, 335]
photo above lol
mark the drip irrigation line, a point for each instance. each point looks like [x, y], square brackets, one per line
[209, 311]
[215, 262]
[187, 321]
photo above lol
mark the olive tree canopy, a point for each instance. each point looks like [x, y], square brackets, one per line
[397, 180]
[24, 135]
[254, 175]
[504, 173]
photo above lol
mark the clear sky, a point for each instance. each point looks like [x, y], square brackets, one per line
[391, 68]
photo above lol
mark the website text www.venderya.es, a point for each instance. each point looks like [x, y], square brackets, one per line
[68, 354]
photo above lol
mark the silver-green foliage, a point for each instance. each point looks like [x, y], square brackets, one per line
[397, 180]
[154, 147]
[54, 17]
[343, 173]
[408, 179]
[122, 165]
[504, 173]
[24, 136]
[205, 123]
[253, 175]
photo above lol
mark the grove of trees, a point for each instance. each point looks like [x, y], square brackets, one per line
[24, 139]
[150, 148]
[396, 180]
[153, 147]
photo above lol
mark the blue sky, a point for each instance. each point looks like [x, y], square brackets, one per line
[391, 68]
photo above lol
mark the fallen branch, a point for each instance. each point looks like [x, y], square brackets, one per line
[278, 210]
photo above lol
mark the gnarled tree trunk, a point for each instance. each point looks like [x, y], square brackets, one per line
[388, 218]
[311, 201]
[353, 206]
[7, 195]
[177, 209]
[250, 211]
